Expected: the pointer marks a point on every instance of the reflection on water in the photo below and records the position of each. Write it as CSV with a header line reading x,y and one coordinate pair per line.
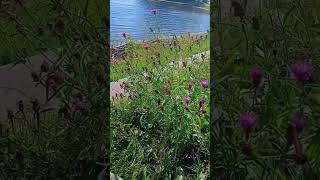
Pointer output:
x,y
135,18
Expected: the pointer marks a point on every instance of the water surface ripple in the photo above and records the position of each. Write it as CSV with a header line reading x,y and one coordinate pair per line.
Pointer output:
x,y
135,18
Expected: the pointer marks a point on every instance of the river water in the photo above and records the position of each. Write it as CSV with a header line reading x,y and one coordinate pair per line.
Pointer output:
x,y
135,18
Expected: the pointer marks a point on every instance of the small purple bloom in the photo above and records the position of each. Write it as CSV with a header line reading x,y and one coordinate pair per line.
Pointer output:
x,y
203,101
154,11
187,100
124,35
302,72
299,122
146,47
189,85
59,26
79,107
256,75
248,121
205,84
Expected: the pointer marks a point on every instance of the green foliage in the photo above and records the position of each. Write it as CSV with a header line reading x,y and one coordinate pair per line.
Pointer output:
x,y
279,36
71,140
25,31
137,57
154,136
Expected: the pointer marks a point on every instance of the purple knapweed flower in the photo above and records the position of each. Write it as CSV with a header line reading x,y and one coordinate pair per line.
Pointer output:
x,y
303,72
205,84
79,107
299,122
124,35
35,76
189,85
146,47
59,26
44,66
256,75
203,101
187,100
248,122
154,11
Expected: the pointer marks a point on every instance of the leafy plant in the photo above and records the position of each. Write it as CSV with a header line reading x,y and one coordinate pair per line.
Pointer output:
x,y
71,140
278,41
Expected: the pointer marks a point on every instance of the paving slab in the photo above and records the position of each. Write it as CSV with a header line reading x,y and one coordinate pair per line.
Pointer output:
x,y
16,84
115,88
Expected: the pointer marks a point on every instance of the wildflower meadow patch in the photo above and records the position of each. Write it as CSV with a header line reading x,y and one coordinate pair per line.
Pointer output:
x,y
160,128
265,122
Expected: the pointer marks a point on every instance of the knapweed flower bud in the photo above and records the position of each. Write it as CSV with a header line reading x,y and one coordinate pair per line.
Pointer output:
x,y
184,64
154,11
203,101
50,82
35,76
303,72
205,84
10,114
44,66
35,104
189,85
59,26
203,110
20,106
188,108
202,56
124,35
146,47
256,75
299,122
187,100
79,107
248,122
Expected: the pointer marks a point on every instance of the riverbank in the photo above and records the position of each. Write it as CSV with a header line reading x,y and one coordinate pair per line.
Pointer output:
x,y
138,56
115,44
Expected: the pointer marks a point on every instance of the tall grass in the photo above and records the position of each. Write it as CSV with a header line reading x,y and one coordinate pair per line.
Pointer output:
x,y
160,129
71,140
162,50
155,135
277,40
25,31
